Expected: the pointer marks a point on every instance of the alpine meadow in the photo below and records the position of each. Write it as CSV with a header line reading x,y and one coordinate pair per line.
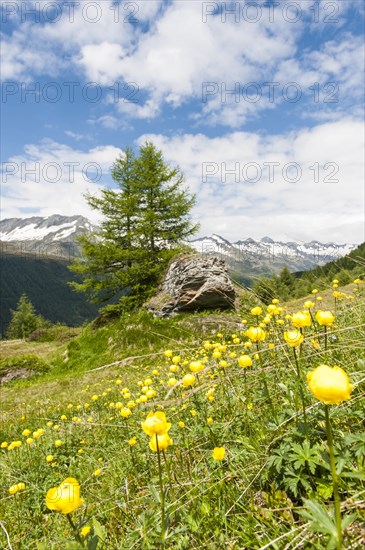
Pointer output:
x,y
182,259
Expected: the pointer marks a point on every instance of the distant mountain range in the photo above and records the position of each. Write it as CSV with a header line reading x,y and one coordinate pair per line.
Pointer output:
x,y
47,237
34,253
57,236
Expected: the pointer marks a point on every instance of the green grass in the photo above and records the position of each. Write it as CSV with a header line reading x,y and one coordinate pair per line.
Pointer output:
x,y
272,490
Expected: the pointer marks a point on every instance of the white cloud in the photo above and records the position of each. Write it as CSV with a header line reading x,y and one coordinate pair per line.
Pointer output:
x,y
305,210
172,51
51,178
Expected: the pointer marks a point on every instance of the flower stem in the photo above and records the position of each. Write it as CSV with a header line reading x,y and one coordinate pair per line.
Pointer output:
x,y
325,338
74,528
267,393
300,384
334,479
162,493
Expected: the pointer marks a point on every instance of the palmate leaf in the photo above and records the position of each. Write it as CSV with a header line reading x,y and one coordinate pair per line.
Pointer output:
x,y
321,520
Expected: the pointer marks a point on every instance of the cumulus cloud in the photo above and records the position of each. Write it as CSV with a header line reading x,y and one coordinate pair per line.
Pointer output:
x,y
242,193
52,178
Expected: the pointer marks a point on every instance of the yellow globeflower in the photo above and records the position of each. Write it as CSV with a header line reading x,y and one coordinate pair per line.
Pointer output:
x,y
125,412
245,361
293,338
218,453
49,458
330,385
188,380
256,310
256,334
66,497
163,441
13,489
85,530
309,304
301,319
155,423
325,318
168,353
132,441
196,366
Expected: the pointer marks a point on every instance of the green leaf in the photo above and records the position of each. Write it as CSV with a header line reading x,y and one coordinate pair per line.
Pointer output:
x,y
354,475
99,530
319,517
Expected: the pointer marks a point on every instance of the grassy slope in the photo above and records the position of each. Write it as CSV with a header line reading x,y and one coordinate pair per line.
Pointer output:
x,y
240,503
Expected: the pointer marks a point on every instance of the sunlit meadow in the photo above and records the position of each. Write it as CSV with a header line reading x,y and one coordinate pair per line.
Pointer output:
x,y
236,432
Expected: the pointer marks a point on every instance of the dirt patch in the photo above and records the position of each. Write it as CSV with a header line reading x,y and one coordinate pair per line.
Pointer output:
x,y
14,374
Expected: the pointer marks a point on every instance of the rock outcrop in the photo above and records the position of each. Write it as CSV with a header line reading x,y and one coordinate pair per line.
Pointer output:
x,y
193,283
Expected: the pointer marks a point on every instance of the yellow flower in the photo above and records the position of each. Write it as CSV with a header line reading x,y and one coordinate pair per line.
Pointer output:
x,y
85,530
256,311
293,338
26,433
330,385
66,497
256,334
4,444
163,442
209,421
218,453
125,412
97,472
155,423
315,344
188,380
314,291
309,304
49,458
171,382
176,359
271,308
325,318
132,441
275,301
196,366
58,443
29,440
168,353
181,424
13,489
301,319
245,361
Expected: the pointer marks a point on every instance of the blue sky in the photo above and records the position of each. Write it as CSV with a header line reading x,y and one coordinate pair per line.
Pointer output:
x,y
282,156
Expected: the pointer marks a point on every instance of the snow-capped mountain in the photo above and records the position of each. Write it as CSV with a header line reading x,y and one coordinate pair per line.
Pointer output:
x,y
267,247
264,256
57,236
46,236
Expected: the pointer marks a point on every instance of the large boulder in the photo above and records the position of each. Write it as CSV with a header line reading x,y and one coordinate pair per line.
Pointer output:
x,y
193,283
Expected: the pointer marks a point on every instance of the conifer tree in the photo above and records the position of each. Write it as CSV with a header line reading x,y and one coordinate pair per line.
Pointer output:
x,y
144,223
24,319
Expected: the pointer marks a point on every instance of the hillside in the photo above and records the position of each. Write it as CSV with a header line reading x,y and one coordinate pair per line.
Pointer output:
x,y
244,460
44,280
